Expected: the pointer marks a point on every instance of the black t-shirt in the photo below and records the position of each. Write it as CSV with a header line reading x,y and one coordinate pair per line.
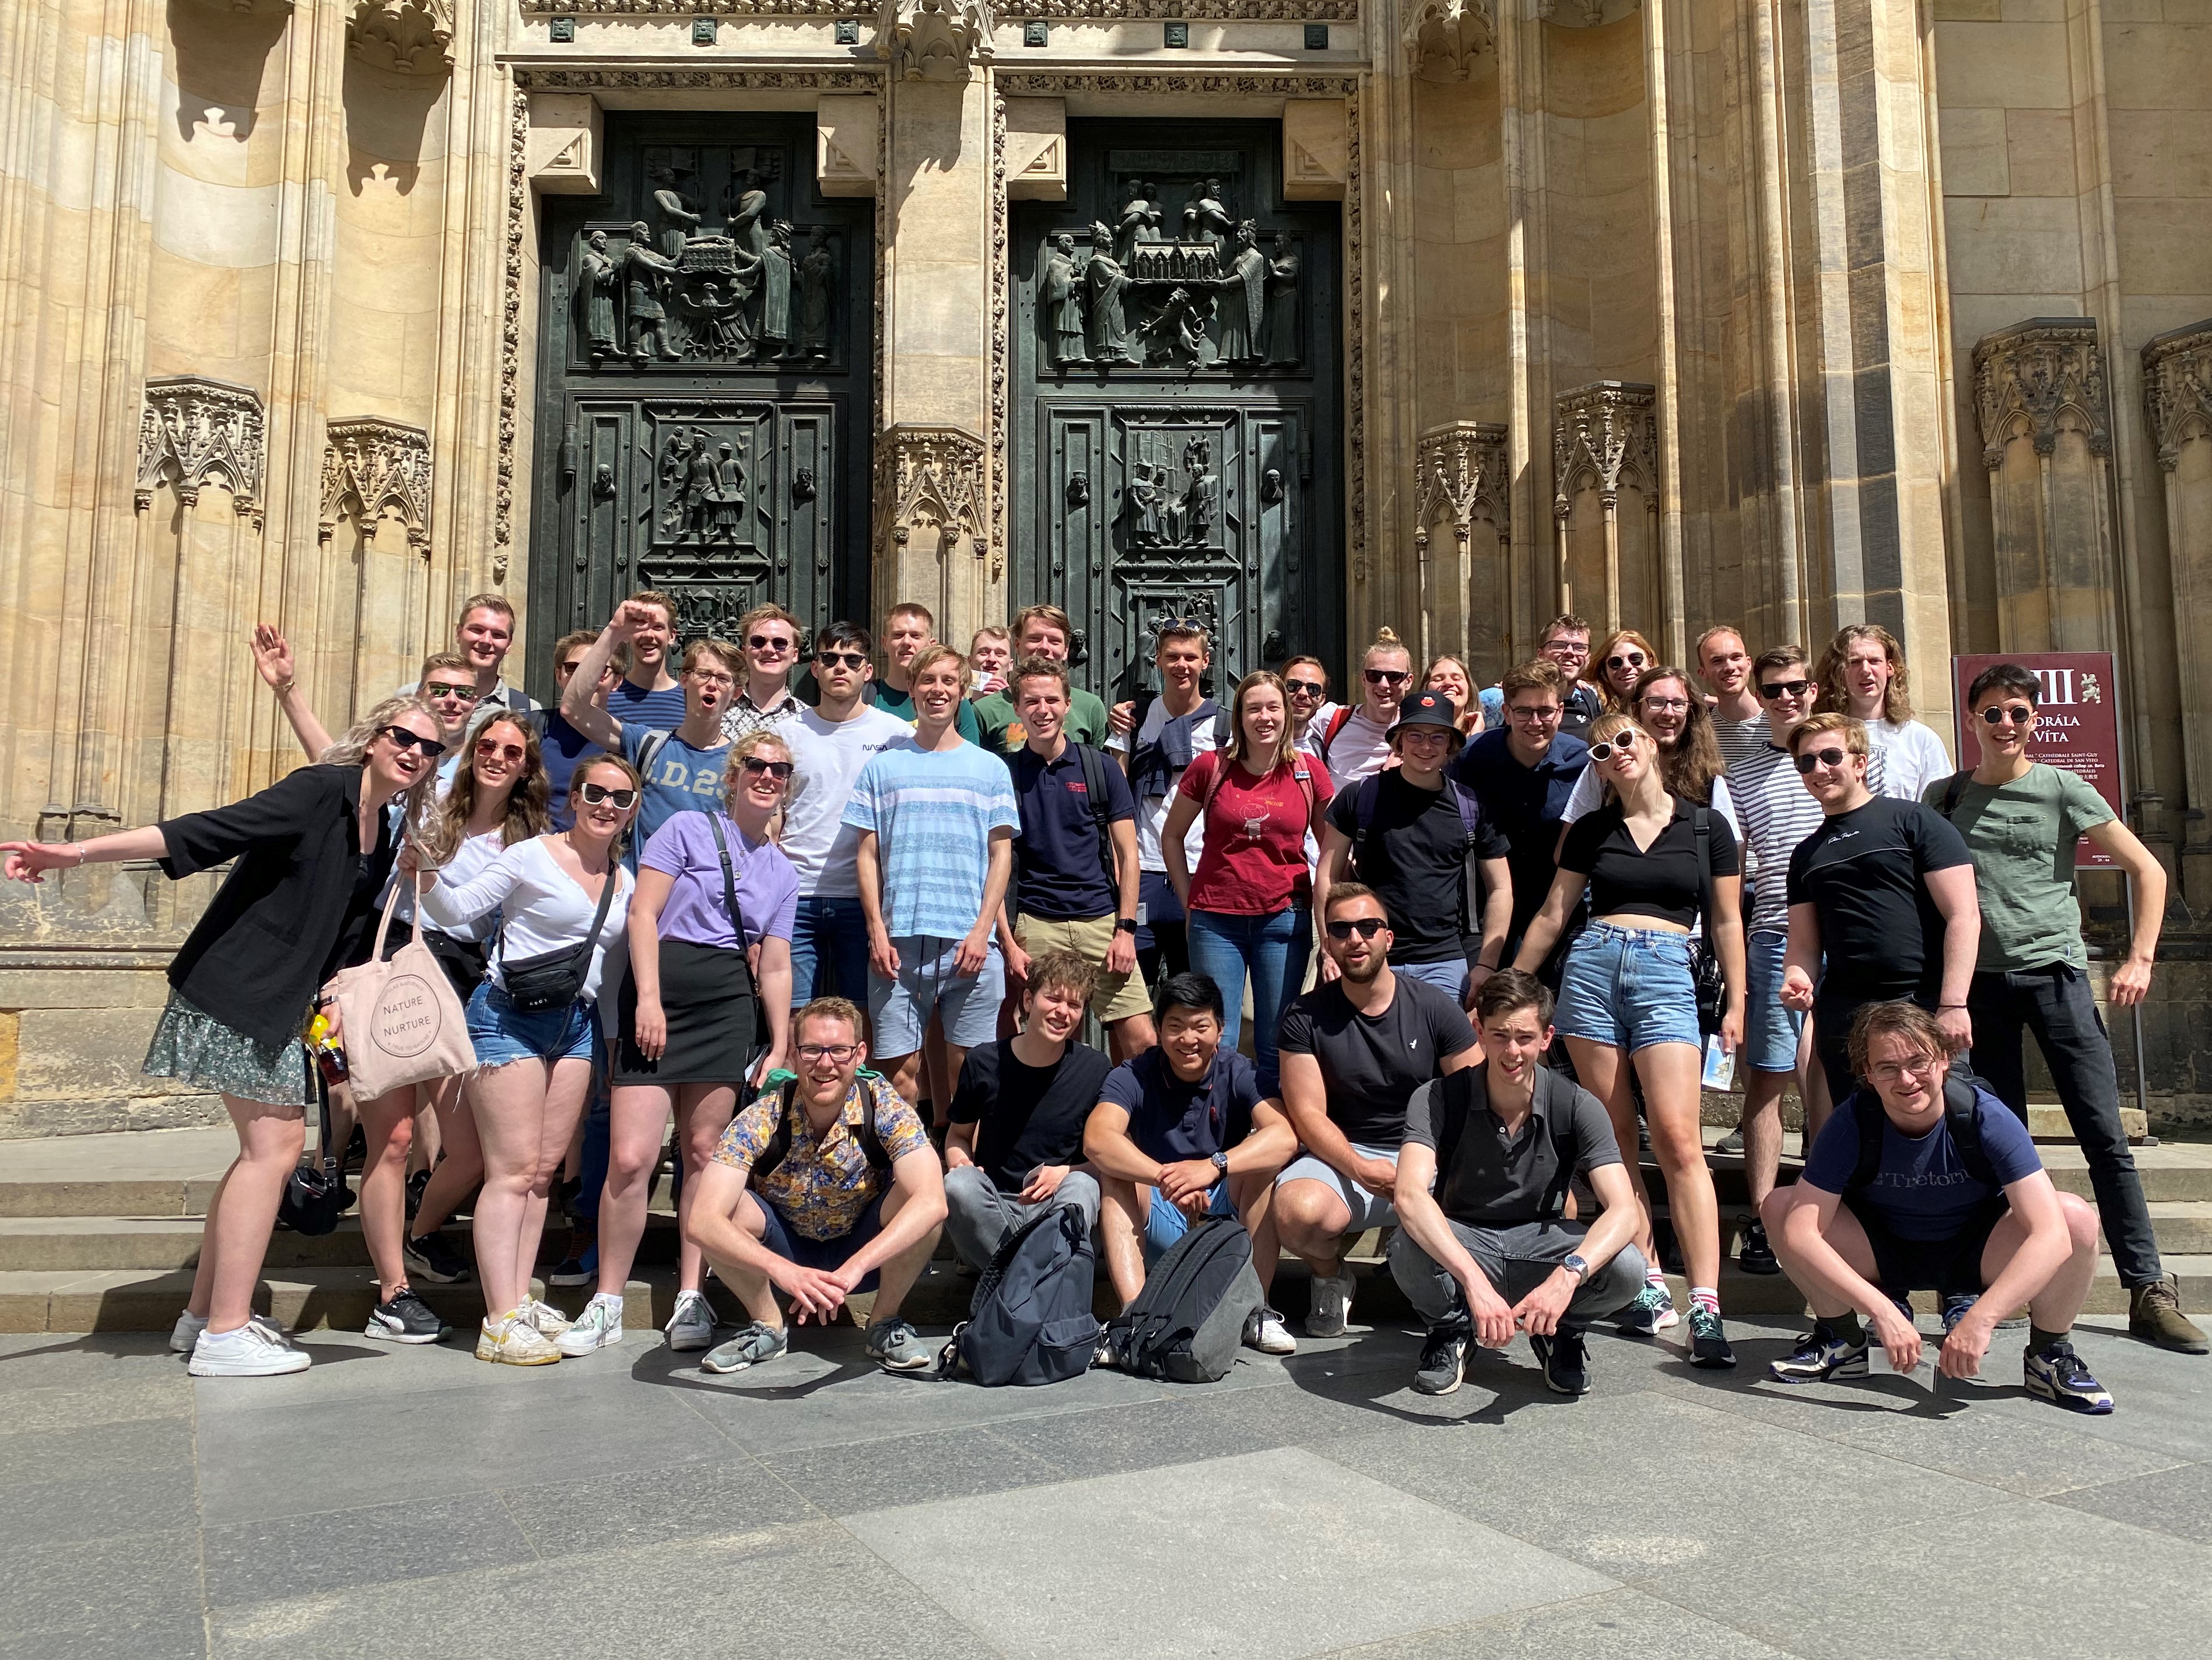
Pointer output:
x,y
1171,1120
1372,1064
1415,858
1660,881
1494,1180
1028,1115
1864,871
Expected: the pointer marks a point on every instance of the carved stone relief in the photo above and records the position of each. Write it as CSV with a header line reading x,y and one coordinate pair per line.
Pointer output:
x,y
412,36
2177,389
1288,11
566,131
1443,38
1602,434
196,431
936,478
845,144
1459,470
2027,377
934,40
370,465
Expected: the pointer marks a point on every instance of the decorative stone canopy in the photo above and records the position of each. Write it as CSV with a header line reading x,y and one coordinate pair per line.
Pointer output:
x,y
2177,389
1443,38
936,477
1602,434
934,40
196,431
413,37
1257,11
2027,376
1459,468
374,464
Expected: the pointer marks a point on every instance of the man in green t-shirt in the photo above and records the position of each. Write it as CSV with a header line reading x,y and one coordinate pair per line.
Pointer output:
x,y
2022,820
1040,631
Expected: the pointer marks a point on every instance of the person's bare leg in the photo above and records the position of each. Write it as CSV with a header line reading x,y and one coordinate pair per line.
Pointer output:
x,y
1762,1133
1812,1090
1824,1297
1131,1036
565,1091
387,1125
637,1120
752,1287
1123,1208
460,1170
1311,1217
428,1143
896,1277
509,1102
239,1222
904,1072
203,1275
1669,1072
2058,1304
1598,1066
703,1113
1253,1196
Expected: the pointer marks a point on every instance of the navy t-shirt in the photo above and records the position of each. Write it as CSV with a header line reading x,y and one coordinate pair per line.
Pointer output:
x,y
1063,876
564,750
1171,1121
1920,1190
1528,804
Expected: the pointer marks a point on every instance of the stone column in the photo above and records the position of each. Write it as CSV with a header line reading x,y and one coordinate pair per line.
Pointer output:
x,y
1462,536
2177,370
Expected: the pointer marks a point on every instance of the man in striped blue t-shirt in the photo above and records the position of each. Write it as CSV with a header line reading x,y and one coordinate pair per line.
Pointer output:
x,y
937,817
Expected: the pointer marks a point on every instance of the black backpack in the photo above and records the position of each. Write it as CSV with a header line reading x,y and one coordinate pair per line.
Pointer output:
x,y
1962,1117
1030,1322
1189,1321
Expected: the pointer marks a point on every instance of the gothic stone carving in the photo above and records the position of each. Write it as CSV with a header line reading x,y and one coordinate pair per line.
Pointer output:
x,y
2027,376
933,39
198,431
415,37
936,477
1285,11
1583,14
1443,38
374,464
1460,469
1601,433
2177,389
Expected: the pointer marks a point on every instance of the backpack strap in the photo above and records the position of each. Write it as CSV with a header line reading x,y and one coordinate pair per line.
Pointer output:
x,y
1329,736
778,1144
1954,790
1701,822
1962,1117
1220,728
1866,1110
1363,808
1094,785
650,751
1566,1153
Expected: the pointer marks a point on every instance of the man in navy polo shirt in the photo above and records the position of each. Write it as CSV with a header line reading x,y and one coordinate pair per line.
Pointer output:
x,y
1072,890
1521,776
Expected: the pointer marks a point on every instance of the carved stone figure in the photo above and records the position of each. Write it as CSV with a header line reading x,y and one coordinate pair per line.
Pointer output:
x,y
818,282
702,489
1283,303
603,481
717,324
1105,332
674,211
729,495
602,287
775,290
1243,307
1140,222
1140,505
1201,497
802,487
1205,219
645,271
744,203
1176,333
1060,302
1271,486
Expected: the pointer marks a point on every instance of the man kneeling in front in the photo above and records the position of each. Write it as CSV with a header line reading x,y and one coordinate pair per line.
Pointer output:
x,y
1491,1251
1913,1187
821,1187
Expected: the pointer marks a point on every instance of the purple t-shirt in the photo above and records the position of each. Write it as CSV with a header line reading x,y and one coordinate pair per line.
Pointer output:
x,y
696,912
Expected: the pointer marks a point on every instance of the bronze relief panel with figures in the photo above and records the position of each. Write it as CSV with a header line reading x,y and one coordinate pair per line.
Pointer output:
x,y
705,408
1178,402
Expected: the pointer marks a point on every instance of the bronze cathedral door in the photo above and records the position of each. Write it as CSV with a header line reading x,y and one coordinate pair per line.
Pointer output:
x,y
1176,375
705,398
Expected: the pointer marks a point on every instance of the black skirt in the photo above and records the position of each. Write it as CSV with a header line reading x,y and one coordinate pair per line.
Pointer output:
x,y
463,960
707,996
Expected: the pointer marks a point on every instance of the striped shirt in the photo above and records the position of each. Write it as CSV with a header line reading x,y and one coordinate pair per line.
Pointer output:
x,y
933,812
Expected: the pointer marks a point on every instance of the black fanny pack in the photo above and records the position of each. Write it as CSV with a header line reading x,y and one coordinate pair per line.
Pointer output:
x,y
555,979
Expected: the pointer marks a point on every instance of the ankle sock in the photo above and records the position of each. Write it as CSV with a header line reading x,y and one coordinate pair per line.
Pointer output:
x,y
1845,1327
2040,1340
1654,1277
1705,1298
614,1302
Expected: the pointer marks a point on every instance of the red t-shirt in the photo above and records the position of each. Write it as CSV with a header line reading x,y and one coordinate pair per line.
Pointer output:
x,y
1255,862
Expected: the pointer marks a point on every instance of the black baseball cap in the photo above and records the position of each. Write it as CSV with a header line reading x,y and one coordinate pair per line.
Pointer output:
x,y
1428,708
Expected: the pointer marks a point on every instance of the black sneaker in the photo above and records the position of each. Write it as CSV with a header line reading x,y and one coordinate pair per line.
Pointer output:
x,y
404,1318
415,1183
1819,1356
1753,1251
2055,1373
581,1267
1566,1361
1708,1344
1443,1358
432,1259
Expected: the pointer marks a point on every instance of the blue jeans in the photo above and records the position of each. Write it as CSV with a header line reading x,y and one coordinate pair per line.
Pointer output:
x,y
828,940
1272,950
1449,977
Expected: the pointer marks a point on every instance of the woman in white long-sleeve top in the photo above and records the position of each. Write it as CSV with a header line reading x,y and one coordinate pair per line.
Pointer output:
x,y
534,1022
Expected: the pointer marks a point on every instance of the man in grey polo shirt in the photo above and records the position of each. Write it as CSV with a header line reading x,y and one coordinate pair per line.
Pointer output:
x,y
1491,1250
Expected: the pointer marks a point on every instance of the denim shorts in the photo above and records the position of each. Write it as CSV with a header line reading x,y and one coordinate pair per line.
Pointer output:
x,y
1449,977
1770,1030
501,1032
1168,1221
1630,988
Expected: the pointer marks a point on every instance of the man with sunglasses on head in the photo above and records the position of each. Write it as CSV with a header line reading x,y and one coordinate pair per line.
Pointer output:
x,y
768,636
2022,820
830,743
1353,739
1883,891
1353,1050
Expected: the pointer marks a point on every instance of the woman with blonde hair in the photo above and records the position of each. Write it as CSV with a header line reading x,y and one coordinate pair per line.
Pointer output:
x,y
1353,739
1449,675
1250,901
560,898
1621,662
311,852
1629,989
712,887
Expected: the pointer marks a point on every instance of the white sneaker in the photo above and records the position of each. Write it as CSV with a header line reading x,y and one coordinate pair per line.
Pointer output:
x,y
187,1332
542,1318
251,1350
1265,1332
1330,1316
692,1325
512,1341
598,1327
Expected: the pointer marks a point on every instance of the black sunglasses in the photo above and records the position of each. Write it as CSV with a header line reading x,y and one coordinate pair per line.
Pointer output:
x,y
1814,759
1771,690
1632,660
401,739
1388,677
842,659
769,642
778,770
1365,927
1305,688
2019,713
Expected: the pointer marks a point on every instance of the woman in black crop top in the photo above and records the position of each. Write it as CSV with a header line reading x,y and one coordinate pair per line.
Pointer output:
x,y
1627,989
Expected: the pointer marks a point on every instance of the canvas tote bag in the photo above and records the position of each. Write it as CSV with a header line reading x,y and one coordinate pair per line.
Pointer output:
x,y
402,1022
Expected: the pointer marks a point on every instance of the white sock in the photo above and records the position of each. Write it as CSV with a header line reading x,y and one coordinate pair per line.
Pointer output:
x,y
614,1302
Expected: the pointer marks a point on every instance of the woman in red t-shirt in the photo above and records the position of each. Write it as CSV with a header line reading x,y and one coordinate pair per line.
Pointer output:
x,y
1250,904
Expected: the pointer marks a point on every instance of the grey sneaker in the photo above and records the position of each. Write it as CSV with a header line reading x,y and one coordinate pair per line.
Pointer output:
x,y
895,1345
1731,1143
692,1325
755,1346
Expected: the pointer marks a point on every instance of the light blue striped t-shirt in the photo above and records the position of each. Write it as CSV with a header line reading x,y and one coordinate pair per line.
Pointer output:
x,y
933,812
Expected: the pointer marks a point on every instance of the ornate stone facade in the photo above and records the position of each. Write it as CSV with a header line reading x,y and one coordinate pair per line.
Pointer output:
x,y
933,39
196,432
412,36
1444,38
373,467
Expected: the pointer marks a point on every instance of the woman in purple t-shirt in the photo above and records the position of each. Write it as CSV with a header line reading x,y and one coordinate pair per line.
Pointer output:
x,y
710,956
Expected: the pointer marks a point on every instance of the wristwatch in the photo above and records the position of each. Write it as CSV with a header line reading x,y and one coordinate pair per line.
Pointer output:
x,y
1574,1264
1125,924
1221,1163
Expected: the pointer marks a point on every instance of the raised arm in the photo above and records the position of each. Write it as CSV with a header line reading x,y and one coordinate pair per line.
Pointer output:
x,y
272,660
577,708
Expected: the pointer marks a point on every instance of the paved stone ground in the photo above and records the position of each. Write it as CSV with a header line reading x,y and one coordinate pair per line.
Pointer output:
x,y
410,1502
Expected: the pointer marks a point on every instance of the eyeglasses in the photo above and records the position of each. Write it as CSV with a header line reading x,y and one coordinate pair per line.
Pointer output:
x,y
441,689
404,739
1624,745
2019,713
838,1054
1771,690
778,770
1814,759
1627,659
1365,927
1668,705
595,794
490,749
770,643
1893,1071
1388,677
1305,688
709,677
1541,715
854,660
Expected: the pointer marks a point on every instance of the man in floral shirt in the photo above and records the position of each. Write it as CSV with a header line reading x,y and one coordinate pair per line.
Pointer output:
x,y
821,1187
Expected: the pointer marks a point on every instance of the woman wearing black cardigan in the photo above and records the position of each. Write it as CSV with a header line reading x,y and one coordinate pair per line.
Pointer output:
x,y
312,852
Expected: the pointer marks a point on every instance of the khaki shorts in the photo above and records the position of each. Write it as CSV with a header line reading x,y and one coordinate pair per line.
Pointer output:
x,y
1119,996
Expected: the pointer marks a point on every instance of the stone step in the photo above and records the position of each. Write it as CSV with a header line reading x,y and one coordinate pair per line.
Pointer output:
x,y
2047,1122
96,1242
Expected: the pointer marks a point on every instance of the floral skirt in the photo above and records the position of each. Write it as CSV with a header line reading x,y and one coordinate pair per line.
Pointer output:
x,y
193,1047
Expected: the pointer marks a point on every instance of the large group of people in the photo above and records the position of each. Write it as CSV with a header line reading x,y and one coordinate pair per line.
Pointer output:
x,y
1436,959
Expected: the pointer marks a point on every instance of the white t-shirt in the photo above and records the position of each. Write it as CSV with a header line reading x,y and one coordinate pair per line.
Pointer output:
x,y
541,908
470,860
828,755
1360,748
1913,757
1153,810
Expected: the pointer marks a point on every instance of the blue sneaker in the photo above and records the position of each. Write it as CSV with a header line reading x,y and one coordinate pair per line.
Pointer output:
x,y
1819,1355
1652,1313
2055,1373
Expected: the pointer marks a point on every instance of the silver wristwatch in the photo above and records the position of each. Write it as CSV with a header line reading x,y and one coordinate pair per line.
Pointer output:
x,y
1574,1264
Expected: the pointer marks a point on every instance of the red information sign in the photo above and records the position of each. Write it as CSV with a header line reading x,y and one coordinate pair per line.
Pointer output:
x,y
2078,724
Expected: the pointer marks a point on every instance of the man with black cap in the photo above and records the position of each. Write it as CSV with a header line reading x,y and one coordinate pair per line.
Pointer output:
x,y
1418,840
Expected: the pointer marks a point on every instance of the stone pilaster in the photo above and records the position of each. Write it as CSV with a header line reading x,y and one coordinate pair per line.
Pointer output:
x,y
2177,369
1605,443
1463,527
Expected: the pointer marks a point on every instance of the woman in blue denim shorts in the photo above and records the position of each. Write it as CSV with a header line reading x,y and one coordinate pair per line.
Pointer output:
x,y
1627,989
535,1065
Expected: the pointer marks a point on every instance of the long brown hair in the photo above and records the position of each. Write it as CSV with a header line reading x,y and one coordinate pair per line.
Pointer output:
x,y
1897,700
1603,681
1695,761
1286,747
526,813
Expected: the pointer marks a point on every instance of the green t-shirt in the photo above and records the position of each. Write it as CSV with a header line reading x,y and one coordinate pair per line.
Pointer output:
x,y
1002,726
891,701
2022,836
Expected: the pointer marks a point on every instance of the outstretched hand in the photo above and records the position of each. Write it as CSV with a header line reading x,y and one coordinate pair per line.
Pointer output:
x,y
272,656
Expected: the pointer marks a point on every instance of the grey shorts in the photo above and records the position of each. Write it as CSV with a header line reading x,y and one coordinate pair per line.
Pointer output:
x,y
928,980
1369,1210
